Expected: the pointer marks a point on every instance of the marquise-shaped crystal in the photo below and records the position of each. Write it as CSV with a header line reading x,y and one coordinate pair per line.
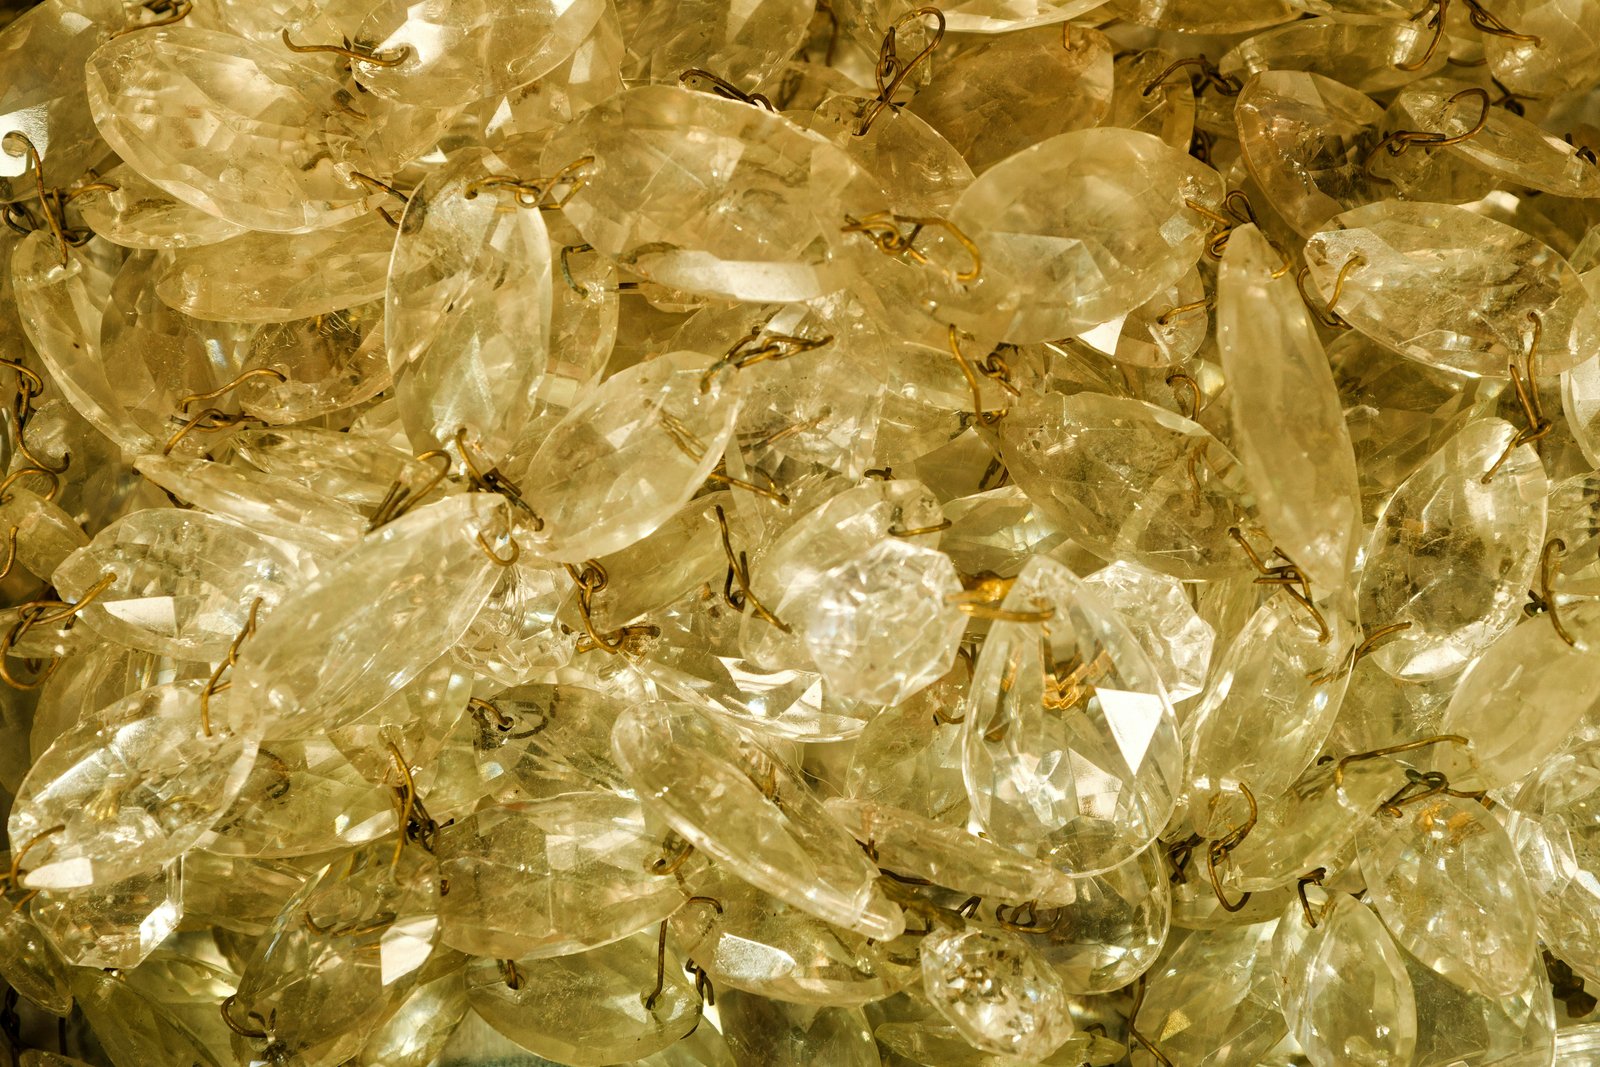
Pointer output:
x,y
183,583
371,621
1077,230
1454,289
1129,480
186,107
629,455
130,788
743,807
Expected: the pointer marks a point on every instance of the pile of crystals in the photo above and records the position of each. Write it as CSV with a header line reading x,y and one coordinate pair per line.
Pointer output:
x,y
748,534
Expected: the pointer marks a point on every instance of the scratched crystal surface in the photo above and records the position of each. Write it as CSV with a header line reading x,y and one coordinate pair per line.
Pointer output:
x,y
799,533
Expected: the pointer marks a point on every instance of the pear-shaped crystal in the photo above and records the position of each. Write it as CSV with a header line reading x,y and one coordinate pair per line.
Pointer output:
x,y
1071,746
1445,878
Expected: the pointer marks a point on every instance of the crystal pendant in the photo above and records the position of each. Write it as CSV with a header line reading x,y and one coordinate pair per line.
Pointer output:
x,y
1071,746
158,95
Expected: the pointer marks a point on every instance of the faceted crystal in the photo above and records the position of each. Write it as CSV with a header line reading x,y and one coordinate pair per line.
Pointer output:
x,y
133,1027
1168,110
451,51
1520,701
1311,824
740,805
42,105
548,740
1398,412
751,941
1071,746
1558,49
128,789
341,957
996,991
790,577
329,362
115,925
1452,556
238,128
419,1029
272,505
303,798
1456,1025
1356,1005
183,583
1288,427
1213,1001
1129,480
1369,53
1111,929
1305,139
135,213
744,43
1508,147
30,965
1078,229
914,845
771,1033
370,623
628,456
1271,703
1017,89
1445,878
1453,289
885,625
702,193
551,877
589,1009
1204,16
46,535
467,316
1156,610
273,277
60,307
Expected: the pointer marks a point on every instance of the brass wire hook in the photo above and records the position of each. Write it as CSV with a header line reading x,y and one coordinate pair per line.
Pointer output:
x,y
739,571
1390,750
1362,651
222,390
1133,1028
51,215
376,59
214,684
704,81
536,192
1527,392
399,499
758,346
1206,74
1545,599
1326,314
1400,141
890,74
172,11
989,418
882,228
23,472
